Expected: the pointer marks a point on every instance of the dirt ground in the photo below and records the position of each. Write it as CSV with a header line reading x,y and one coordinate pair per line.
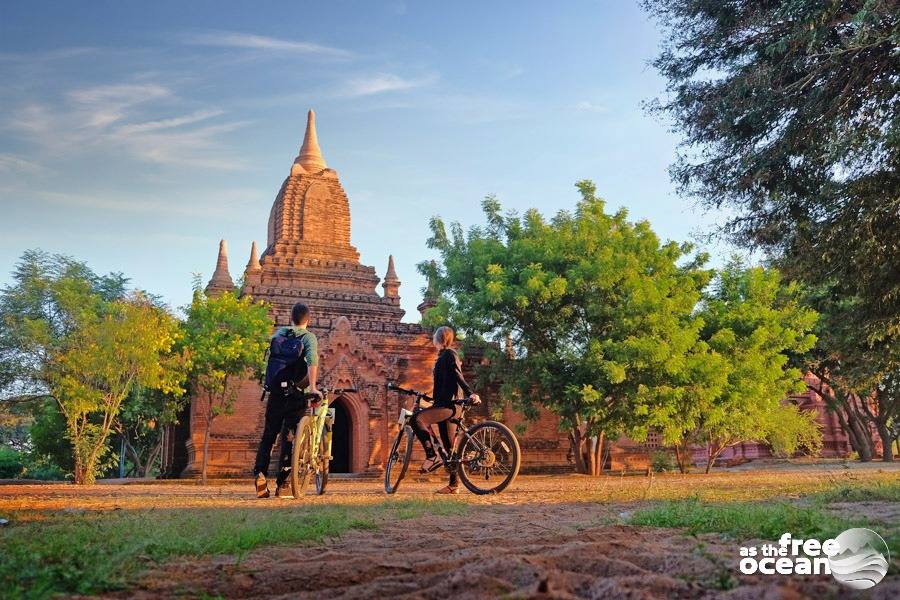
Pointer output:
x,y
546,537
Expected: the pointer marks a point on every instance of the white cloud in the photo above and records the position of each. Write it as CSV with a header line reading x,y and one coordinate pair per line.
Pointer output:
x,y
249,41
588,106
229,204
161,124
381,83
11,162
121,119
46,55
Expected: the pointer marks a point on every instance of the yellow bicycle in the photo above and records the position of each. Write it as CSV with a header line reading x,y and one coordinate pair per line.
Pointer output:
x,y
311,453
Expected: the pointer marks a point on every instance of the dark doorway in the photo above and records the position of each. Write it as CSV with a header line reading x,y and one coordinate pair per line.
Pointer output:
x,y
341,438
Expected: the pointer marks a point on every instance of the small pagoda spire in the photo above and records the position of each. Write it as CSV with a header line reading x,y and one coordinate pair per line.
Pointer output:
x,y
253,264
221,279
310,158
252,272
430,299
391,283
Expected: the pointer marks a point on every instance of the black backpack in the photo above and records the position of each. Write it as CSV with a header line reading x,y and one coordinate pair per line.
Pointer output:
x,y
285,367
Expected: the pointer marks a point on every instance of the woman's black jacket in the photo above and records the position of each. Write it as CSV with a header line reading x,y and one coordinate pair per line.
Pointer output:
x,y
448,377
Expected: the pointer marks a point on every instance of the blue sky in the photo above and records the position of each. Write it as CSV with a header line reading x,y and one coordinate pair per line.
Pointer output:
x,y
135,135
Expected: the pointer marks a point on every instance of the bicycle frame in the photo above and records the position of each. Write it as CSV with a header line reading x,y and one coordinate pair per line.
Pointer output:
x,y
449,459
322,421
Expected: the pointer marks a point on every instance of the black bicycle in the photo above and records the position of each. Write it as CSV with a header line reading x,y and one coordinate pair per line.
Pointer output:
x,y
486,455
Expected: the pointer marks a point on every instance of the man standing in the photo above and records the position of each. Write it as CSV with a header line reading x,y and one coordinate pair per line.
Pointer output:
x,y
286,405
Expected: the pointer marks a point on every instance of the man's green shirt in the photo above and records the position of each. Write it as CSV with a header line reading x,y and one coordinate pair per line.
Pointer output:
x,y
310,343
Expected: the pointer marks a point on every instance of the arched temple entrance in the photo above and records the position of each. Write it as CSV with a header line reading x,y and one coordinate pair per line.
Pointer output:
x,y
342,438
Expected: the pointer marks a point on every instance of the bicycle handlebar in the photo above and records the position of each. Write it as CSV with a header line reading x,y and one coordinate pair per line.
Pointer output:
x,y
326,391
396,388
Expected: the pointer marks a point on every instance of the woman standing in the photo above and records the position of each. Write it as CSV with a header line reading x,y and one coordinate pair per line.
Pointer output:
x,y
448,379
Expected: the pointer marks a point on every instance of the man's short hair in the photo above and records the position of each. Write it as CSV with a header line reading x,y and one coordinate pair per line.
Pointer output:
x,y
299,313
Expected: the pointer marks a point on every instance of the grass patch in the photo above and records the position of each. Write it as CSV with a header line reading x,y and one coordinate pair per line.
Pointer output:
x,y
743,520
869,491
99,551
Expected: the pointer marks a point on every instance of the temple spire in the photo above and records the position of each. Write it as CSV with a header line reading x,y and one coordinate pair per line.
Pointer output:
x,y
310,158
221,279
391,283
253,263
430,299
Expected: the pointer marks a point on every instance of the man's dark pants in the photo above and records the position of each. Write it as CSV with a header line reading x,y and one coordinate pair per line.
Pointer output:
x,y
283,412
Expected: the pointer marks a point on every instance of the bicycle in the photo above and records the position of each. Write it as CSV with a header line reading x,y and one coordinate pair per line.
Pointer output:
x,y
485,450
311,453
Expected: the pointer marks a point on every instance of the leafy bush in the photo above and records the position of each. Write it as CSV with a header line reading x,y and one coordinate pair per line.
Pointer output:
x,y
661,462
11,463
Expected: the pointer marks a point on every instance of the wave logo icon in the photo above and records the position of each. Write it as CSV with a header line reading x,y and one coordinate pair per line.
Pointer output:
x,y
862,560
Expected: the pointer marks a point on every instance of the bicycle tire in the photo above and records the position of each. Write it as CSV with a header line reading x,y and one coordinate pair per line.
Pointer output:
x,y
300,457
398,460
511,453
323,465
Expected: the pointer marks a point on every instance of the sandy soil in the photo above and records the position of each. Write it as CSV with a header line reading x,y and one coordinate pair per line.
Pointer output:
x,y
564,550
545,537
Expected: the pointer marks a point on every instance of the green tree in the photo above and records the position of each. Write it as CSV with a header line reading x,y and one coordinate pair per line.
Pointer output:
x,y
114,348
141,424
789,112
752,325
855,377
226,338
790,120
82,341
598,311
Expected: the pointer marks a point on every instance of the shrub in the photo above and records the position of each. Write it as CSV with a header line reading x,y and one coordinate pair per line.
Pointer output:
x,y
11,463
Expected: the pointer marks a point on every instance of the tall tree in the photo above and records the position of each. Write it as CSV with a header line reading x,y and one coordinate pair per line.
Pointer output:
x,y
80,340
789,111
226,338
598,310
752,325
114,348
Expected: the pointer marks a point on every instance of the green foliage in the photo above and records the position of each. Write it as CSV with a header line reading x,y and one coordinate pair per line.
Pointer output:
x,y
788,110
11,463
791,430
226,338
598,309
95,552
144,416
752,324
661,462
48,437
789,115
79,339
616,332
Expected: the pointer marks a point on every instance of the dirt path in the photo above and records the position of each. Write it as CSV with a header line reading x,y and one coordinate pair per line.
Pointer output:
x,y
564,550
547,537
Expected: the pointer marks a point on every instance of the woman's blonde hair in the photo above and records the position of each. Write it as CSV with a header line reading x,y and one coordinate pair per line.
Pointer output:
x,y
444,336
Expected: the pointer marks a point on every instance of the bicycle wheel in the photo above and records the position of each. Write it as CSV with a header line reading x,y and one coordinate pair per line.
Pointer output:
x,y
322,465
300,457
398,460
490,458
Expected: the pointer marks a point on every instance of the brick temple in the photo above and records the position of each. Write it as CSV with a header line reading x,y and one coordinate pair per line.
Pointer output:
x,y
363,343
363,340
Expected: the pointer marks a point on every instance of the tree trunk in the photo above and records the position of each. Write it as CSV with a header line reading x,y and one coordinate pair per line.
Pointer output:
x,y
682,452
154,454
863,435
209,421
597,454
887,443
712,453
576,441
